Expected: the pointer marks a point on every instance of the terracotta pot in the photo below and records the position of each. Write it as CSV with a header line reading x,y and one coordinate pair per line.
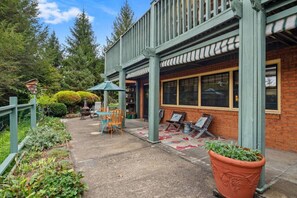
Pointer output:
x,y
235,178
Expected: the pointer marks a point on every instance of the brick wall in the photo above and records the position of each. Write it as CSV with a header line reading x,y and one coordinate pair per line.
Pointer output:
x,y
281,129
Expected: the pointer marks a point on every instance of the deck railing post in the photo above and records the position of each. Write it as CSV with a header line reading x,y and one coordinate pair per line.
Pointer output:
x,y
252,60
13,101
154,80
33,112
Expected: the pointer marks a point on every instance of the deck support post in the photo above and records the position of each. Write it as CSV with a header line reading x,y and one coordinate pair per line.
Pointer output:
x,y
122,94
154,80
252,58
13,101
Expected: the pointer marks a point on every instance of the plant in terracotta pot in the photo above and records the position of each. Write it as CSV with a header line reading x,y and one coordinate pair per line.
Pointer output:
x,y
236,170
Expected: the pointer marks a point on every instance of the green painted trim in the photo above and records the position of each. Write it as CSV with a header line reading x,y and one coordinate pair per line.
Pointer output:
x,y
211,23
279,5
7,162
283,14
203,44
13,125
133,61
5,112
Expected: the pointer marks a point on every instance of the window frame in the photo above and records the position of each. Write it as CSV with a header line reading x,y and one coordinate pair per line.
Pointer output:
x,y
231,83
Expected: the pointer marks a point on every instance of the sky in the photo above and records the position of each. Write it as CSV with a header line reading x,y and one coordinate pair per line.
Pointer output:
x,y
59,15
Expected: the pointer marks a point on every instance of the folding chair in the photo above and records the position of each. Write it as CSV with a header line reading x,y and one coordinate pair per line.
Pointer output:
x,y
95,108
176,120
202,126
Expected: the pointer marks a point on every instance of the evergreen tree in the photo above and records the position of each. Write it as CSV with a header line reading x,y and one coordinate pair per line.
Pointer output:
x,y
82,67
54,50
122,23
32,61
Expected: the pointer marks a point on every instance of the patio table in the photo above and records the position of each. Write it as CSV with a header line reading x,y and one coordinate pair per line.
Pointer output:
x,y
103,122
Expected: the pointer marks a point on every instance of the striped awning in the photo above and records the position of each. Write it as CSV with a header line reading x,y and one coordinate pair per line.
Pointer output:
x,y
139,72
214,49
281,25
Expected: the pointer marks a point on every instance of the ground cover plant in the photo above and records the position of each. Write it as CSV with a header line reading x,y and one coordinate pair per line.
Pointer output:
x,y
45,169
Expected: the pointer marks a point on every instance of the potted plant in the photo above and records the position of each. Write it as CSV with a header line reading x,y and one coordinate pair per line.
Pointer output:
x,y
236,170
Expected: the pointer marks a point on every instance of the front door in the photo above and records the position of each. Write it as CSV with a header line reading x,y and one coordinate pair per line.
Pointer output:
x,y
145,101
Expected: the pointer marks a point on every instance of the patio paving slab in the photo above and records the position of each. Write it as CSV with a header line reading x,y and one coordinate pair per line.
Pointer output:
x,y
128,166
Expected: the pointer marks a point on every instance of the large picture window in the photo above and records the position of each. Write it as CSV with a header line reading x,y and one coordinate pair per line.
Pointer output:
x,y
215,90
170,92
188,91
270,84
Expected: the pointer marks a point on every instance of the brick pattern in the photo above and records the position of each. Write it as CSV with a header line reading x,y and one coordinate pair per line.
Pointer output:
x,y
281,130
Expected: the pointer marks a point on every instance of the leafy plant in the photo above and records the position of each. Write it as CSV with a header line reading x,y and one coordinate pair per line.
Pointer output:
x,y
233,151
57,109
49,134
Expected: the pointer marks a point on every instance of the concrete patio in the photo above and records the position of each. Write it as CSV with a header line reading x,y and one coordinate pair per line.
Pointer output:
x,y
129,166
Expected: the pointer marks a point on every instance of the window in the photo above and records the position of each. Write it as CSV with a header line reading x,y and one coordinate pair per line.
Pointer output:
x,y
271,87
169,92
215,90
188,91
235,89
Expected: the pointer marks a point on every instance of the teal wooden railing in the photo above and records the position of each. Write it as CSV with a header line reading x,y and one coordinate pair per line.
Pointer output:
x,y
172,18
12,110
176,17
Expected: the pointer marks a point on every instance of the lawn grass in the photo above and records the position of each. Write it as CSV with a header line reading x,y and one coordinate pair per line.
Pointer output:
x,y
23,129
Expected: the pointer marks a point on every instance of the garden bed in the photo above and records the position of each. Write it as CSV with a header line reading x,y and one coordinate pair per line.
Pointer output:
x,y
45,169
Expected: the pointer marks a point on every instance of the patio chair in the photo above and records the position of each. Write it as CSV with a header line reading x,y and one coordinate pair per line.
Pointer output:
x,y
176,120
116,121
202,126
95,108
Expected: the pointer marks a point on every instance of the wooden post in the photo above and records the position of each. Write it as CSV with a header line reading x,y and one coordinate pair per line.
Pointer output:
x,y
252,79
33,112
13,101
154,82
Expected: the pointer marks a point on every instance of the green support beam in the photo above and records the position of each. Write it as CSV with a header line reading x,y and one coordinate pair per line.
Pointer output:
x,y
252,79
122,94
13,101
154,81
33,112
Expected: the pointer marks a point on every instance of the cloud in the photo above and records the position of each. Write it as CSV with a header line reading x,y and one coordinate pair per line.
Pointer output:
x,y
50,13
107,10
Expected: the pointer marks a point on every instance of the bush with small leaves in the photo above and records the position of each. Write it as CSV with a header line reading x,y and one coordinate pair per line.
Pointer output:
x,y
90,97
57,109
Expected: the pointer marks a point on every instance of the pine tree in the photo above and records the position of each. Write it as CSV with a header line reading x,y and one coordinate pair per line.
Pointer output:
x,y
32,61
82,59
122,23
54,50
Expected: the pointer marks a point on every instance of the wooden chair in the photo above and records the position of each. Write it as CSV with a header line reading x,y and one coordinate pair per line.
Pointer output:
x,y
202,125
176,120
116,121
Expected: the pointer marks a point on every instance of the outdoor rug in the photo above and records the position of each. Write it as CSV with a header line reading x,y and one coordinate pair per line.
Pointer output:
x,y
175,139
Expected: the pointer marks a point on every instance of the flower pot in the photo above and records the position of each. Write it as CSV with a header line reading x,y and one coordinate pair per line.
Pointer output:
x,y
235,178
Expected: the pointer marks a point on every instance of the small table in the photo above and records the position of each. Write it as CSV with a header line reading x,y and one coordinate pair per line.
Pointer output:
x,y
103,122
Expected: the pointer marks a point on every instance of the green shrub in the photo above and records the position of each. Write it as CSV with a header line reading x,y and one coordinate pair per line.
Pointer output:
x,y
57,109
45,100
69,98
232,151
90,97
